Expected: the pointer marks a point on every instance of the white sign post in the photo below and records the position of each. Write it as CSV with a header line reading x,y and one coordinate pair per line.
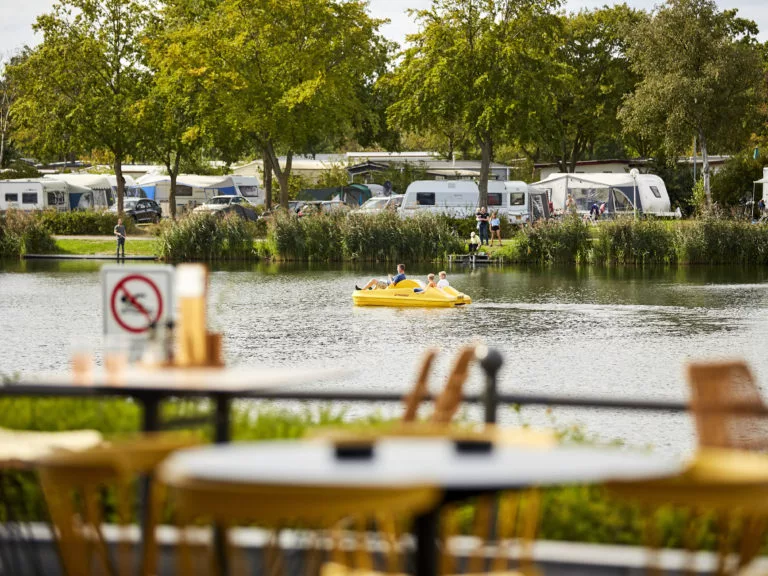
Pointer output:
x,y
136,298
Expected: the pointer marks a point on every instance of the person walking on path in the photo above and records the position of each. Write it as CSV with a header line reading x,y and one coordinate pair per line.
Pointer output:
x,y
120,235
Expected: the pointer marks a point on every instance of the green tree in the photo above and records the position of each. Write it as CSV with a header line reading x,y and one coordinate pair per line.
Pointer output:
x,y
80,83
6,99
700,77
287,77
593,77
172,111
475,68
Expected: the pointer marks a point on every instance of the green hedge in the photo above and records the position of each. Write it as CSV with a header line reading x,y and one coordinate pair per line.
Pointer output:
x,y
83,222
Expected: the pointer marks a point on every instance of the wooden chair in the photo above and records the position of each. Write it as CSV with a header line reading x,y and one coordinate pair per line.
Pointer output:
x,y
511,516
728,476
79,485
19,449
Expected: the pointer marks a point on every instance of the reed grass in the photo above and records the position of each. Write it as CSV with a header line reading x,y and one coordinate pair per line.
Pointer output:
x,y
206,237
363,237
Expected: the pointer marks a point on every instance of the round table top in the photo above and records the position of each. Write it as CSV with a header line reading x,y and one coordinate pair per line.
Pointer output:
x,y
403,462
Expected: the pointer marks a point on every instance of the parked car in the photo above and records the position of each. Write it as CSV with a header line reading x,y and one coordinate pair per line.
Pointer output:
x,y
381,203
229,204
140,209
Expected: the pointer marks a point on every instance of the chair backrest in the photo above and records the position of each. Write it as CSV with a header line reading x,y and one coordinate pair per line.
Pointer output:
x,y
449,400
727,406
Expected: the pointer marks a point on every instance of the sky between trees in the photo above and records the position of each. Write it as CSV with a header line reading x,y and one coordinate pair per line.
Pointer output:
x,y
17,17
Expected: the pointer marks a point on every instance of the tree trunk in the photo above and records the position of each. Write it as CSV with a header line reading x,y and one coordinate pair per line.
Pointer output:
x,y
486,155
267,180
2,146
120,183
705,166
283,174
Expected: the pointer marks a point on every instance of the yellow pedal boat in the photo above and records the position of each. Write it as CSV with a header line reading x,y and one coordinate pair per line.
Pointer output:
x,y
409,293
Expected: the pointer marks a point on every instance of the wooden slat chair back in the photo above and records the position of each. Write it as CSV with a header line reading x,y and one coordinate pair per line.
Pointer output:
x,y
727,407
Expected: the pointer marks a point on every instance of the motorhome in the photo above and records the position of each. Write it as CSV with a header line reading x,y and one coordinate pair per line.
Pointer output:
x,y
621,193
34,194
193,190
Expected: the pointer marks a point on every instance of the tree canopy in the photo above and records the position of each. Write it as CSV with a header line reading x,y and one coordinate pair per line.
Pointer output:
x,y
473,69
286,76
77,88
700,77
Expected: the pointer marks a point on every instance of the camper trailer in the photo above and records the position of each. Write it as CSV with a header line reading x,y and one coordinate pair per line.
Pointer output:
x,y
193,190
34,194
453,197
460,198
621,193
519,202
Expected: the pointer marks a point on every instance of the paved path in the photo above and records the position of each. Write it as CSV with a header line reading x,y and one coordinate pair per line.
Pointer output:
x,y
102,238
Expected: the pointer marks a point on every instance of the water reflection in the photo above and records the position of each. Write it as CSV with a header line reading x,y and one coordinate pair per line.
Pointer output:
x,y
619,332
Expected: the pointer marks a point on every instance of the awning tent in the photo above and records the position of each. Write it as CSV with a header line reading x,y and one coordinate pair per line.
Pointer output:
x,y
352,195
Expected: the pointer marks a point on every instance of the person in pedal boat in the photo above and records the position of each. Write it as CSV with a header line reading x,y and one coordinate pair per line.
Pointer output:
x,y
431,281
443,282
375,283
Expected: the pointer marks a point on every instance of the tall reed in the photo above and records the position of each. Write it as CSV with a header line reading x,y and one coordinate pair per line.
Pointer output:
x,y
557,242
366,237
206,237
624,241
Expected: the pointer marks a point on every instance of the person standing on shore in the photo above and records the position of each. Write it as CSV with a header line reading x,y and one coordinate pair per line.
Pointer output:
x,y
120,235
482,224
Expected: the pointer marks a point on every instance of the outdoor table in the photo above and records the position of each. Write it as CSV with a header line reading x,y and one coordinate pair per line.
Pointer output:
x,y
456,471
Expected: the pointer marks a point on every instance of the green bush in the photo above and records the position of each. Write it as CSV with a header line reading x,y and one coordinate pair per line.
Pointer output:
x,y
83,222
367,237
206,236
23,233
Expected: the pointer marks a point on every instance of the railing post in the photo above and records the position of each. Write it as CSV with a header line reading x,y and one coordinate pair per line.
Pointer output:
x,y
490,360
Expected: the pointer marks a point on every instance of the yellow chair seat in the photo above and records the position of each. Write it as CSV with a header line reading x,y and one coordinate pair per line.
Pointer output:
x,y
336,569
717,479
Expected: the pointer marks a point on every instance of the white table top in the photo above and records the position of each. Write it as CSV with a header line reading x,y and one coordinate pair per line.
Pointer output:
x,y
177,380
413,462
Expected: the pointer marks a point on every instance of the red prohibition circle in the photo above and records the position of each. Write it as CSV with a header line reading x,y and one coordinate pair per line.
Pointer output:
x,y
113,304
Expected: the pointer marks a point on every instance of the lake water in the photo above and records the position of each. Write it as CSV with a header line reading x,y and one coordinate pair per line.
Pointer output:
x,y
619,333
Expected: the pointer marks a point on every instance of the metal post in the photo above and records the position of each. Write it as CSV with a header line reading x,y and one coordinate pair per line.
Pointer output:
x,y
425,529
490,360
221,434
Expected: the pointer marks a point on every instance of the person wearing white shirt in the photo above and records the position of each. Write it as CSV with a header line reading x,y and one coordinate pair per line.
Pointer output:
x,y
443,282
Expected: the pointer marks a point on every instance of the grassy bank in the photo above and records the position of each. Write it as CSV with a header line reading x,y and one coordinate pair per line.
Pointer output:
x,y
582,514
133,247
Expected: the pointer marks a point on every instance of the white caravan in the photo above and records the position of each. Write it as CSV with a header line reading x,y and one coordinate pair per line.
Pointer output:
x,y
460,198
621,193
34,194
453,197
193,190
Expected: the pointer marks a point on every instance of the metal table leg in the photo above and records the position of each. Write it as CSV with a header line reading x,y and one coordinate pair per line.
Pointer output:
x,y
150,423
221,435
425,529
